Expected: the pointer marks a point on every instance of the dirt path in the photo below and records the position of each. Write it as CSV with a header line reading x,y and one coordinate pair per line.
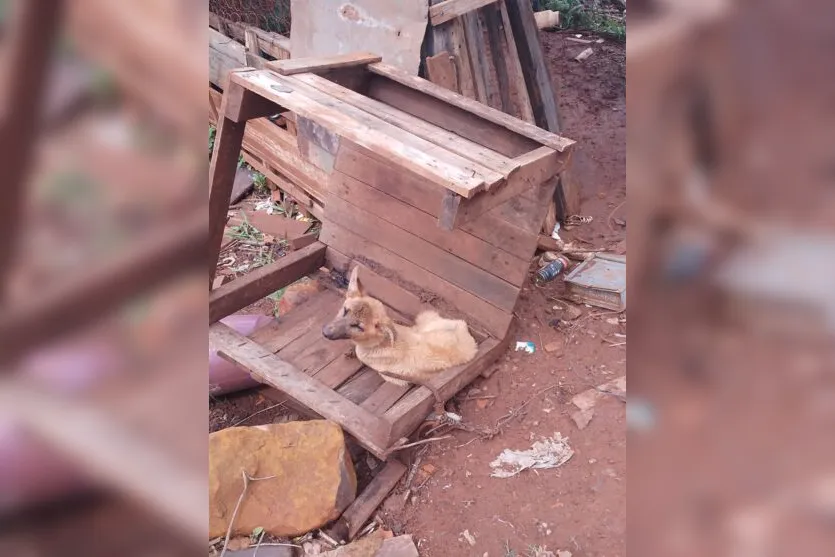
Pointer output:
x,y
580,507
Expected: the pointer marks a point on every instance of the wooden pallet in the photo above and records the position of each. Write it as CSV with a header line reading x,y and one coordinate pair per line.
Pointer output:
x,y
438,199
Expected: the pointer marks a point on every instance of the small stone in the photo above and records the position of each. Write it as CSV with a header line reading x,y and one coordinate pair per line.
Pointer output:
x,y
428,469
552,346
313,477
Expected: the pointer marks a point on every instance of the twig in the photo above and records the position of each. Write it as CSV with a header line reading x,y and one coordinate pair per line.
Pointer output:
x,y
416,443
611,214
515,412
482,397
242,420
247,479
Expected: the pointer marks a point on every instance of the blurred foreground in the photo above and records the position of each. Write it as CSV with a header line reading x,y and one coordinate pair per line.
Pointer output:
x,y
731,187
103,305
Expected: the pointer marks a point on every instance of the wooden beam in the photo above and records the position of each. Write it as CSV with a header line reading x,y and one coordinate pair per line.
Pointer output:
x,y
265,280
228,140
31,34
79,300
357,514
498,117
369,429
244,104
323,63
450,9
225,55
274,44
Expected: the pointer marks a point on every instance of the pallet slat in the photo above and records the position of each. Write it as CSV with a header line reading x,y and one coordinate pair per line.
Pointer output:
x,y
371,430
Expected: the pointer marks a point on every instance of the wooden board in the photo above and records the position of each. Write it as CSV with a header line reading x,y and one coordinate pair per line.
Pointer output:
x,y
498,117
440,69
369,429
370,133
265,280
457,242
393,29
274,44
225,55
277,335
450,9
323,63
494,320
416,249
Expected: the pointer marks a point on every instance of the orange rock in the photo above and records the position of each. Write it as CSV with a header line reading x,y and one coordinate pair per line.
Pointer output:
x,y
311,477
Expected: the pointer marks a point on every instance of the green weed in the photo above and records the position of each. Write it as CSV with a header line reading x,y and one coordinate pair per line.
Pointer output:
x,y
587,15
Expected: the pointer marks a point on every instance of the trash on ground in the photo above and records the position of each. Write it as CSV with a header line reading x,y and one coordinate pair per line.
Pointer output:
x,y
640,415
586,400
550,271
467,537
303,464
547,19
600,281
555,234
525,346
549,453
585,54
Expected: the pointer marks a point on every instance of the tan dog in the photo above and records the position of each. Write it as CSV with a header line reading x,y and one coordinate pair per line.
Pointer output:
x,y
401,355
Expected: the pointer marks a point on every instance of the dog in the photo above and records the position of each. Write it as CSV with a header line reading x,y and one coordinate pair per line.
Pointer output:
x,y
400,354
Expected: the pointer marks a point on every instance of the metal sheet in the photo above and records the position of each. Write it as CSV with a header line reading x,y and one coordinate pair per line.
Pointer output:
x,y
394,30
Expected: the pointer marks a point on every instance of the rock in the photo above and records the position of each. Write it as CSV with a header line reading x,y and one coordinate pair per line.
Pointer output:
x,y
314,477
553,346
377,544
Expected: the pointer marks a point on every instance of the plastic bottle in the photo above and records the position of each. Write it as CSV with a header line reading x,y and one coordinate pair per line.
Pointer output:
x,y
550,271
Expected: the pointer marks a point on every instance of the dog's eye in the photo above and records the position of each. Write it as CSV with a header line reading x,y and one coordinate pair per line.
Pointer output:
x,y
344,312
357,326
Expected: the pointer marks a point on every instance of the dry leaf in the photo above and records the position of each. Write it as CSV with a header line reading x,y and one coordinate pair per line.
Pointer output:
x,y
428,469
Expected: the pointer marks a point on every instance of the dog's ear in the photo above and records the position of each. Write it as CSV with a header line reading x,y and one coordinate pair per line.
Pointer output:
x,y
355,289
388,331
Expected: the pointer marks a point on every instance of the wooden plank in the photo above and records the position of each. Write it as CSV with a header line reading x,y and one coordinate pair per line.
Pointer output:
x,y
419,251
543,164
319,354
30,34
494,320
338,371
450,9
461,56
323,63
364,506
490,114
80,299
243,104
331,94
253,49
456,242
478,154
225,55
302,241
440,69
415,192
228,140
384,397
274,44
515,75
288,328
391,294
410,411
478,57
370,430
449,117
265,280
534,66
370,133
361,386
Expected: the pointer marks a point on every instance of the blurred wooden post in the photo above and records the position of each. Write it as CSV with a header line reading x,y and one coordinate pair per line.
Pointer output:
x,y
32,35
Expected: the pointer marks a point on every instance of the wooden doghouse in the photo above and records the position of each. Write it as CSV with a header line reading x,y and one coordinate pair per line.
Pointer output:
x,y
438,197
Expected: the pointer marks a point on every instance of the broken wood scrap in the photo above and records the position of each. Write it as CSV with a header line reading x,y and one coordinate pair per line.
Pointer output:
x,y
547,19
451,9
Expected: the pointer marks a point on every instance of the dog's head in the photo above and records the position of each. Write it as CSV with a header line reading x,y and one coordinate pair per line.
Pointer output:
x,y
361,318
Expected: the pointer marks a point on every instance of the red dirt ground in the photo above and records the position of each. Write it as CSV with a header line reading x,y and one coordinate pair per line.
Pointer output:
x,y
580,507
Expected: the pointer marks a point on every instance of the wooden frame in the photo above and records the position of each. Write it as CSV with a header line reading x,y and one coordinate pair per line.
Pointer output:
x,y
399,155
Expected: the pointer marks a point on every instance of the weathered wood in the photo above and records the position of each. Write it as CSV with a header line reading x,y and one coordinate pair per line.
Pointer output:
x,y
461,57
371,133
361,386
492,319
534,66
419,251
449,211
476,48
440,69
541,136
253,49
490,227
478,154
384,397
323,63
225,55
457,242
274,44
228,140
243,104
411,410
450,9
542,164
515,74
30,36
370,430
288,328
358,513
303,241
93,293
265,280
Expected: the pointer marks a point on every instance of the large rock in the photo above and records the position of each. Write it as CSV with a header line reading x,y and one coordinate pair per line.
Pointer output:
x,y
314,477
